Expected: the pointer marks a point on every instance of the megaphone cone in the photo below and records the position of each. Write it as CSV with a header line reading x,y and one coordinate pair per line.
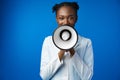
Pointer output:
x,y
65,37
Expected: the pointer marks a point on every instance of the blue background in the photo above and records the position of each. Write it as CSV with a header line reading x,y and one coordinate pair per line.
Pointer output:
x,y
25,23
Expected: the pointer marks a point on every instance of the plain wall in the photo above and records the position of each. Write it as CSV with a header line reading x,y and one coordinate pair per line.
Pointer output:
x,y
25,23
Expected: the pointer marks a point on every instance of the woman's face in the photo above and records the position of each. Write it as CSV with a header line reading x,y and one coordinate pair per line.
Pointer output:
x,y
66,15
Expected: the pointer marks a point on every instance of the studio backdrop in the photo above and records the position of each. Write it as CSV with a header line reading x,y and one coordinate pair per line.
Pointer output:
x,y
25,23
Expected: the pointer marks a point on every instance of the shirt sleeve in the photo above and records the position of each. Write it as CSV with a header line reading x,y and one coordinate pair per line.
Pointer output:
x,y
48,66
84,67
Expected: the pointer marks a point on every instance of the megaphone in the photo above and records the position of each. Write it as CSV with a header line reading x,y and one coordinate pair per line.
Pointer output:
x,y
65,37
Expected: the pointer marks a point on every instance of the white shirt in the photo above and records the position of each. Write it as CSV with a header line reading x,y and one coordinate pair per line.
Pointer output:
x,y
77,67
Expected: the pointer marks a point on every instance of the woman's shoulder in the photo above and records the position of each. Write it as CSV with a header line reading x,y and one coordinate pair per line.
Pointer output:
x,y
48,38
83,39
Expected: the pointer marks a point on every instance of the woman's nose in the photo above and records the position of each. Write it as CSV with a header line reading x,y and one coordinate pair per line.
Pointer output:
x,y
66,22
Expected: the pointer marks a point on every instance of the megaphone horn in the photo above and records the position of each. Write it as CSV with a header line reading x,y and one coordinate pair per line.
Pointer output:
x,y
65,37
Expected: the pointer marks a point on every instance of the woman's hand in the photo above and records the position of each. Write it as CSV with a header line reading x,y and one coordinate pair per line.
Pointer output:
x,y
61,54
72,52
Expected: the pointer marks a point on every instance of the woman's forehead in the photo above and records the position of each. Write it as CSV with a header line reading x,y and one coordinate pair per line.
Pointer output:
x,y
66,10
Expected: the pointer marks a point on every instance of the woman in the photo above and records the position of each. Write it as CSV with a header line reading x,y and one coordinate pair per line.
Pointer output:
x,y
73,64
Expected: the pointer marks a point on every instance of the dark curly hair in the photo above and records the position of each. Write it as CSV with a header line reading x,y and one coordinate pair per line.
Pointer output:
x,y
74,5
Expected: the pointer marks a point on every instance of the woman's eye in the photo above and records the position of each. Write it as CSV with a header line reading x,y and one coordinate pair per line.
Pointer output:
x,y
71,18
61,18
